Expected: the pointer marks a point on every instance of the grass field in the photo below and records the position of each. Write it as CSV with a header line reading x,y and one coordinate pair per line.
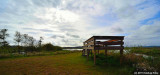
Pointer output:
x,y
63,64
72,63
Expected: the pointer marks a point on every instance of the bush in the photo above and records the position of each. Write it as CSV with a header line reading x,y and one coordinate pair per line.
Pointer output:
x,y
112,60
50,47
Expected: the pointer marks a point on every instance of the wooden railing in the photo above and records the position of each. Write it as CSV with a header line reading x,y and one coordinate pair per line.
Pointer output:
x,y
102,43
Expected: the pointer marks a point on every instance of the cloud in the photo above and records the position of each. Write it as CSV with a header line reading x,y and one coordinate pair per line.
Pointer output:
x,y
43,30
69,23
46,30
116,29
72,35
146,34
56,36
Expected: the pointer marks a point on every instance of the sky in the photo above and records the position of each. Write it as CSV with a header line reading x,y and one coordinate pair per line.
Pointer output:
x,y
71,22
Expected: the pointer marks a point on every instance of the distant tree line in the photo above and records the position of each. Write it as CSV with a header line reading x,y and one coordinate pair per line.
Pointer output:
x,y
23,43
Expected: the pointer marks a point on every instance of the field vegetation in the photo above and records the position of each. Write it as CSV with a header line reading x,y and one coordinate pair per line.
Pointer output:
x,y
71,62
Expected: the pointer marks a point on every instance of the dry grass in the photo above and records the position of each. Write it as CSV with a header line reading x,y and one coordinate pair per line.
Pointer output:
x,y
60,63
66,64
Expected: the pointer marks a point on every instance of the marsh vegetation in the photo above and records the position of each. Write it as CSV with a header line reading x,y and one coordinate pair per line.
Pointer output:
x,y
71,62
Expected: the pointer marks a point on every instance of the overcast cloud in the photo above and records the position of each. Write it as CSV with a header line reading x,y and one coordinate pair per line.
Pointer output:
x,y
70,22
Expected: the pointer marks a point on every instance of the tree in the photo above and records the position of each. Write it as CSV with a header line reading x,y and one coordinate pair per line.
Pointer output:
x,y
3,36
48,47
18,37
40,41
25,39
28,42
51,47
31,41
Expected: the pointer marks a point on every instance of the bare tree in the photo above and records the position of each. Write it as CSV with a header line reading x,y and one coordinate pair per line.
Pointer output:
x,y
3,36
28,42
40,41
18,37
25,39
31,41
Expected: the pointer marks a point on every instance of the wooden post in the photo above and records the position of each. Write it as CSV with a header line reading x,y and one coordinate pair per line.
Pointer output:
x,y
87,54
121,56
94,57
91,52
106,52
94,52
121,53
98,51
82,52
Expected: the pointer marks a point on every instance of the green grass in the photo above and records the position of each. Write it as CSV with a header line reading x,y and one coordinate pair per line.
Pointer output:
x,y
148,51
29,54
72,63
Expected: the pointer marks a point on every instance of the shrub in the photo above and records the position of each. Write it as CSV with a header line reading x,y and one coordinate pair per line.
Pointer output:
x,y
50,47
112,60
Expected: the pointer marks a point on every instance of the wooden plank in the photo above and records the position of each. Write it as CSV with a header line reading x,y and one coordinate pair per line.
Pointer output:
x,y
92,38
89,48
109,37
111,43
101,37
91,43
72,47
110,48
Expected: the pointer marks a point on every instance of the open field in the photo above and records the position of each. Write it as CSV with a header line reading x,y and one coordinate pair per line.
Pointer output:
x,y
62,64
73,64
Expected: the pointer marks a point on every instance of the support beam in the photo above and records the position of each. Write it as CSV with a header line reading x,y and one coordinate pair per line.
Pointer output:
x,y
121,53
94,57
85,52
82,52
98,51
121,56
91,52
88,54
106,52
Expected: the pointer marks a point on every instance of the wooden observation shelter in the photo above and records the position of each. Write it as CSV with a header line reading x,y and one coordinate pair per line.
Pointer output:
x,y
102,43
